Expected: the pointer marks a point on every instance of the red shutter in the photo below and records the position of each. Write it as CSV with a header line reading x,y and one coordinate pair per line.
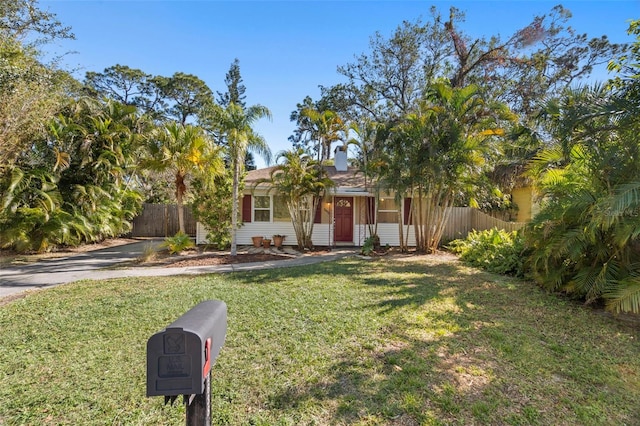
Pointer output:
x,y
371,211
408,218
246,208
318,216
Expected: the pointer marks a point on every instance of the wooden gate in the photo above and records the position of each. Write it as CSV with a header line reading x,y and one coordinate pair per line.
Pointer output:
x,y
161,220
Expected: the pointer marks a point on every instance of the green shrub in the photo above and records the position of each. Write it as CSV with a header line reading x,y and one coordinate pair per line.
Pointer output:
x,y
494,250
368,246
178,243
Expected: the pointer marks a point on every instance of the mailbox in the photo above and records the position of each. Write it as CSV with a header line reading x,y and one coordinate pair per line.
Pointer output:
x,y
180,357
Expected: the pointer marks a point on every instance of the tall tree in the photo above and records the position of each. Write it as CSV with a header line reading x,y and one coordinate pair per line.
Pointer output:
x,y
235,87
435,152
21,19
235,94
126,85
318,126
586,239
186,97
30,94
185,150
325,128
542,57
234,125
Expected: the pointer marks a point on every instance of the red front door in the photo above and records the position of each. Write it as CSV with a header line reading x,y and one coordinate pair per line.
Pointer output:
x,y
343,219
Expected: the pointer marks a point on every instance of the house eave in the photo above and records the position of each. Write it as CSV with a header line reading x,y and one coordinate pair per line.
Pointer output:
x,y
352,192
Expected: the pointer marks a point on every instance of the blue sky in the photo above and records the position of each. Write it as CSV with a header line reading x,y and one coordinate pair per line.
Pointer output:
x,y
286,48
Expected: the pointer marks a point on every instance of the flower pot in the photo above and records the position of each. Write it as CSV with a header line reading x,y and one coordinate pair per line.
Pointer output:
x,y
257,241
277,240
266,243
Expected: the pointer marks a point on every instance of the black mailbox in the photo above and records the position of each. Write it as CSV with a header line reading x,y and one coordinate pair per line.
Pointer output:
x,y
180,357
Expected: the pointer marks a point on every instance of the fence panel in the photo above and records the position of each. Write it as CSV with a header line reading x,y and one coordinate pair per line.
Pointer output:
x,y
161,220
458,224
463,220
482,221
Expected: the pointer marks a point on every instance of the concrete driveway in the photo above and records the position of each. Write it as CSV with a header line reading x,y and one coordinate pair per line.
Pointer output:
x,y
95,265
49,272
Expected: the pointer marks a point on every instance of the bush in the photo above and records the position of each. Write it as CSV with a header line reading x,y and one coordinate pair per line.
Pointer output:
x,y
494,250
368,247
178,243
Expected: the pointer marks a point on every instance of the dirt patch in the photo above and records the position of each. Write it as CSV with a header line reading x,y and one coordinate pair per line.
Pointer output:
x,y
213,259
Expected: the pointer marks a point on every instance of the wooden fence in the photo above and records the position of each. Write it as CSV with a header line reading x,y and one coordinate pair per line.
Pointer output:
x,y
161,220
463,220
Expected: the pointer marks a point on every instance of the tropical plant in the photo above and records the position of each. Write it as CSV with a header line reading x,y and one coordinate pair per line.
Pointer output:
x,y
234,125
323,127
369,246
494,250
186,151
586,239
76,185
178,243
304,183
436,153
96,149
212,206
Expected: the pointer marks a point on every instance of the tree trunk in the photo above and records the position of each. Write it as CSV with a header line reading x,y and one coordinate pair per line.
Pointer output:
x,y
180,190
234,208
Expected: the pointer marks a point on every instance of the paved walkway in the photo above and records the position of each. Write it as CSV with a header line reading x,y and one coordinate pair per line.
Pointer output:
x,y
101,264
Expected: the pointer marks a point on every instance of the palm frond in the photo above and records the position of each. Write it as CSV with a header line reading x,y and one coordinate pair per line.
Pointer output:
x,y
624,296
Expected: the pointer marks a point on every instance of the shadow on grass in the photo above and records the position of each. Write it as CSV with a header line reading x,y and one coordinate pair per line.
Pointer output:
x,y
457,345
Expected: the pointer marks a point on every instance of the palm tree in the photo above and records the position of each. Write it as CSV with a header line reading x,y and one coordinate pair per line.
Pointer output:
x,y
75,185
586,239
234,124
304,183
326,127
434,153
184,150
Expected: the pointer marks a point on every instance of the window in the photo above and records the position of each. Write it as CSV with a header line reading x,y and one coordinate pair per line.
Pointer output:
x,y
280,210
262,208
387,211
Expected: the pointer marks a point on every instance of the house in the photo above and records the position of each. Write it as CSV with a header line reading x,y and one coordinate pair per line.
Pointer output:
x,y
342,218
525,198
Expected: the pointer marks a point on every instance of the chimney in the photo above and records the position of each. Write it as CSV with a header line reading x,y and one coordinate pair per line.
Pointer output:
x,y
340,160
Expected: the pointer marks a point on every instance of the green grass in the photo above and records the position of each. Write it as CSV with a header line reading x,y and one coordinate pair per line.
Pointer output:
x,y
421,342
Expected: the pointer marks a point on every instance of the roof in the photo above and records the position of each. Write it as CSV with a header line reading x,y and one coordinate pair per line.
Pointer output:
x,y
349,181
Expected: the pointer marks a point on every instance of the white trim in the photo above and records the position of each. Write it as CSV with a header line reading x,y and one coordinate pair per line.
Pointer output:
x,y
346,191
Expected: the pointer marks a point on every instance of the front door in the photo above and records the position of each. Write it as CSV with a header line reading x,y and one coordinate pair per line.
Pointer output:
x,y
343,219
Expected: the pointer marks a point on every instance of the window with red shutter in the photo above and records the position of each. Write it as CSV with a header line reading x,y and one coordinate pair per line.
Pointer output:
x,y
318,216
246,208
408,217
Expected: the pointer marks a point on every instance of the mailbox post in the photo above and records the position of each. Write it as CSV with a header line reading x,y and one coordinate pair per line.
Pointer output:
x,y
180,357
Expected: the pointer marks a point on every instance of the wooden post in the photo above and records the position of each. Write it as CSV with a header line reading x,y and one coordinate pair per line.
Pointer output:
x,y
199,409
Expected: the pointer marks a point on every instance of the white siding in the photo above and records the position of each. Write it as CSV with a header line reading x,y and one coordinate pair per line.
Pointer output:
x,y
320,236
461,221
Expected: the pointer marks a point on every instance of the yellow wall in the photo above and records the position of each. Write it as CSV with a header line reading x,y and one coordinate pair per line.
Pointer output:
x,y
523,198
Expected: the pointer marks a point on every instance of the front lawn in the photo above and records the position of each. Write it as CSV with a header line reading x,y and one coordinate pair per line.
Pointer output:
x,y
391,342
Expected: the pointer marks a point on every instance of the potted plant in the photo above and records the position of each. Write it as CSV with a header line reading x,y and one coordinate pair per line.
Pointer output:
x,y
277,240
257,241
266,243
